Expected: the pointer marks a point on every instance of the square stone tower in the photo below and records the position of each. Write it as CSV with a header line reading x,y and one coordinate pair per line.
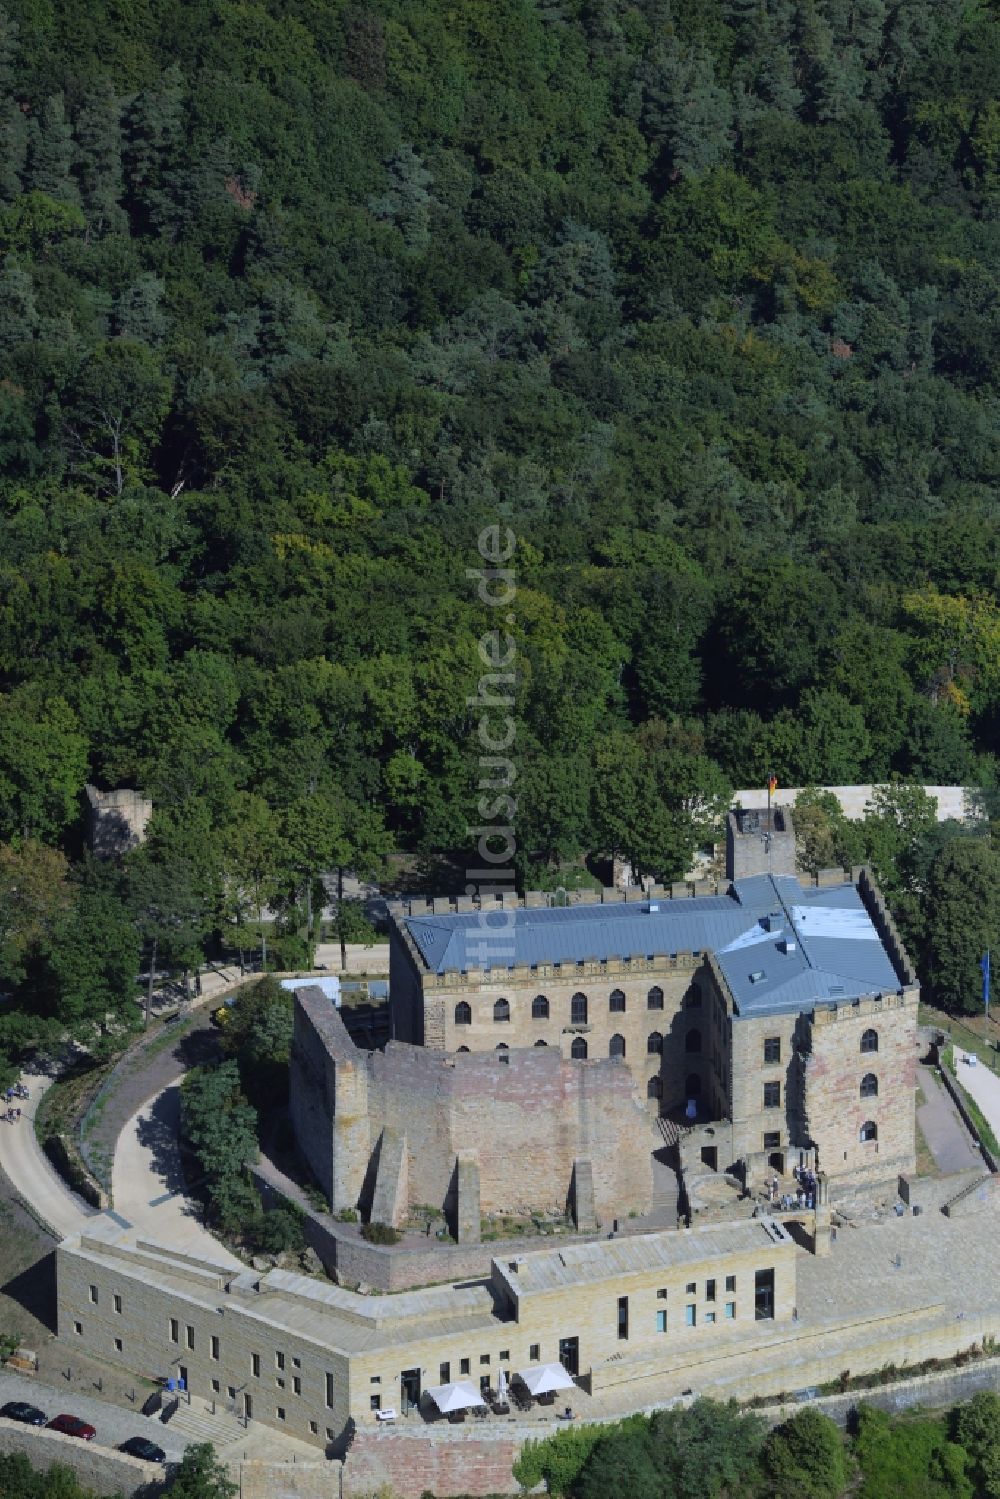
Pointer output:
x,y
759,842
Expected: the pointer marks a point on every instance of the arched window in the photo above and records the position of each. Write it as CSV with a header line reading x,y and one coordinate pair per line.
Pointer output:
x,y
501,1046
578,1010
616,1047
541,1043
463,1048
578,1051
539,1008
692,1041
501,1011
463,1013
869,1085
692,1085
869,1130
654,1043
654,999
869,1041
654,1088
616,1003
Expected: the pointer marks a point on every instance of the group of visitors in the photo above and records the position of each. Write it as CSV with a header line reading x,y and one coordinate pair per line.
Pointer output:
x,y
804,1195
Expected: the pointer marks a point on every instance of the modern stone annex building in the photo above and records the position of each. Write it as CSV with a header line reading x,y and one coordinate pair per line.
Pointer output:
x,y
307,1357
780,1008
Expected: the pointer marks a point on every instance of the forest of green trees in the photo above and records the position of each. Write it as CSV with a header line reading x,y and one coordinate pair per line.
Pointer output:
x,y
698,297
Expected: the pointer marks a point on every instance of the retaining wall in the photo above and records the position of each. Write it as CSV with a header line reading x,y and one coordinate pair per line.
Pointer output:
x,y
98,1468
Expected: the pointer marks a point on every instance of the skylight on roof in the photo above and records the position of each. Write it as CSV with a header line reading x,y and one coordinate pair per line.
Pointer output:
x,y
757,975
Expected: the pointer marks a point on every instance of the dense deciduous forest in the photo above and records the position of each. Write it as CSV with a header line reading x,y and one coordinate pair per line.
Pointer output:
x,y
698,297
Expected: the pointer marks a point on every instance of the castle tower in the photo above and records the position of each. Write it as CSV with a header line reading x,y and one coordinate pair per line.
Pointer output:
x,y
758,842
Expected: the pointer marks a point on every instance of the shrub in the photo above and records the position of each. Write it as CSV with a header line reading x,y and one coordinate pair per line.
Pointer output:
x,y
804,1458
380,1233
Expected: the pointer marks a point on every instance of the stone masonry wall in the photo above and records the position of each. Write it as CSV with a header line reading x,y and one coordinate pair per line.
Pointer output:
x,y
834,1069
526,1114
411,1466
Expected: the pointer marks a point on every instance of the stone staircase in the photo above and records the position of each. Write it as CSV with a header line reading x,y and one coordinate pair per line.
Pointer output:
x,y
669,1131
197,1423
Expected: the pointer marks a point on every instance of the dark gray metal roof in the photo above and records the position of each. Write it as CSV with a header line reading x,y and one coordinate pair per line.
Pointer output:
x,y
780,945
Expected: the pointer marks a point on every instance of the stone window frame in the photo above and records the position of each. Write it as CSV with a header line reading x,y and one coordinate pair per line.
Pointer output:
x,y
654,1088
654,999
463,1013
654,1044
772,1051
578,1049
616,1047
772,1139
869,1042
501,1012
616,1002
868,1132
578,1009
869,1086
772,1095
540,1007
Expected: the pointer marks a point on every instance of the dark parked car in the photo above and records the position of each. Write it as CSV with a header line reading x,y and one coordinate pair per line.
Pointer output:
x,y
72,1426
20,1410
144,1448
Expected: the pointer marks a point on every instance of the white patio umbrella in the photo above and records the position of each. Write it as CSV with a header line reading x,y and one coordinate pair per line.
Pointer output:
x,y
502,1384
541,1379
454,1397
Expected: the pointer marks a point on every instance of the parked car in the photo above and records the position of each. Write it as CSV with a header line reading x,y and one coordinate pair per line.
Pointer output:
x,y
72,1426
144,1448
20,1410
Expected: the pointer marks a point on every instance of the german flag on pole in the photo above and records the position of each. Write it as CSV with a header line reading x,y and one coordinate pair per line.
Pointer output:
x,y
772,785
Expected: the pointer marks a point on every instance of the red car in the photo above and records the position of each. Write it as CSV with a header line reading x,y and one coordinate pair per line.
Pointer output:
x,y
72,1426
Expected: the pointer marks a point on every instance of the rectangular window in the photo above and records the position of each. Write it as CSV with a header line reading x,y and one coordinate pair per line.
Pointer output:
x,y
709,1316
661,1295
280,1382
314,1428
710,1290
175,1330
216,1387
377,1379
214,1347
730,1283
279,1360
329,1392
189,1330
505,1355
118,1345
730,1310
690,1316
691,1289
772,1139
661,1321
375,1402
296,1363
255,1365
93,1294
763,1294
772,1050
623,1316
484,1358
465,1366
279,1411
296,1385
772,1095
117,1303
330,1434
535,1353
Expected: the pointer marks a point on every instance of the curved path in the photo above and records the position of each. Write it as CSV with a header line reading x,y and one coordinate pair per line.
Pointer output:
x,y
148,1185
30,1171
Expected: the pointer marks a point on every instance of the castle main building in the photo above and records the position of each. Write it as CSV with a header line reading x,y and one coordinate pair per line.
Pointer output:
x,y
782,1010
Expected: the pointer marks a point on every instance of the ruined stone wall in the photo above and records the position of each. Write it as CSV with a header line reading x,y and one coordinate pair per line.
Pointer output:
x,y
527,1115
117,820
834,1069
328,1100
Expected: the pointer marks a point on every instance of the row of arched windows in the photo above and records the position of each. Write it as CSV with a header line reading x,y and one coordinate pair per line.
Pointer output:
x,y
541,1008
